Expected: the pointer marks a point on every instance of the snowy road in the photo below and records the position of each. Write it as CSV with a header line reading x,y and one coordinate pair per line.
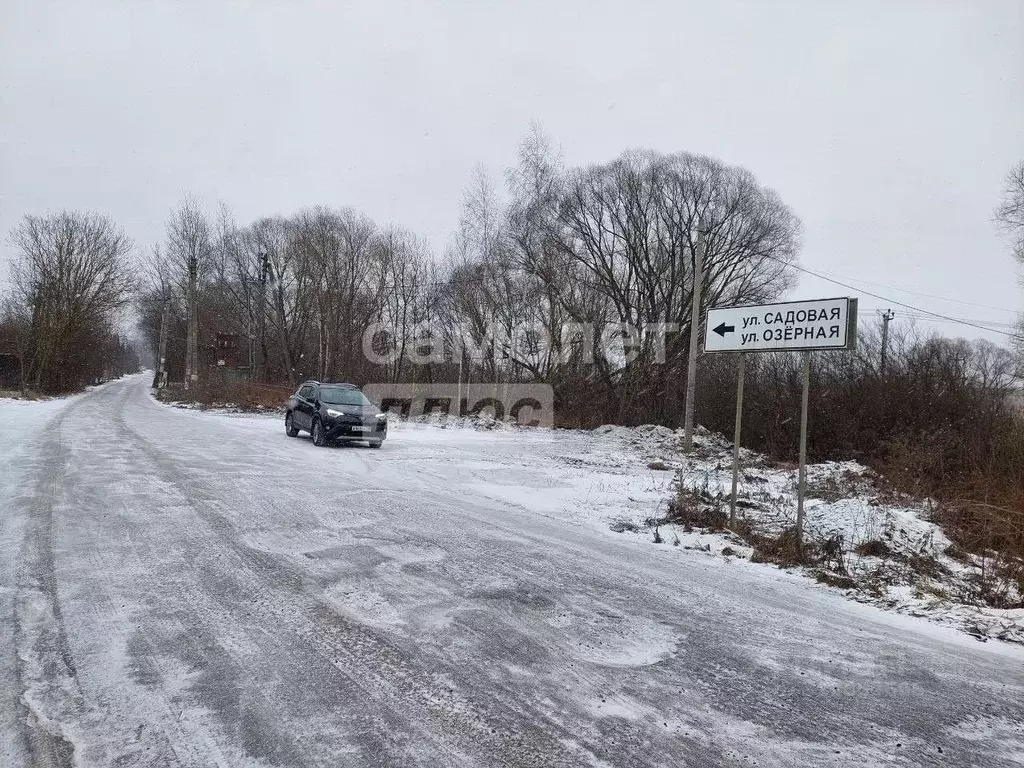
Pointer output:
x,y
192,589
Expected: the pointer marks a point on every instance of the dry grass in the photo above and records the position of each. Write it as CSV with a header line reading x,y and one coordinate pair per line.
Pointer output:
x,y
698,507
873,548
781,550
244,395
17,394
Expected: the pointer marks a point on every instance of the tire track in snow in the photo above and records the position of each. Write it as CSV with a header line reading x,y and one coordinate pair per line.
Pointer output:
x,y
482,724
44,668
145,722
54,710
60,721
180,645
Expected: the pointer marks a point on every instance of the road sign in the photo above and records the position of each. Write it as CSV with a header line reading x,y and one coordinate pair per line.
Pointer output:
x,y
792,325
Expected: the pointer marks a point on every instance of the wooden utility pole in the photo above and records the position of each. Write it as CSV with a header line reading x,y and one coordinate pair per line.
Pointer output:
x,y
161,379
886,317
691,363
192,338
458,404
261,319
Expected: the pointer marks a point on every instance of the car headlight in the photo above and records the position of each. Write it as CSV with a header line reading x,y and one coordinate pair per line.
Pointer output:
x,y
382,415
332,412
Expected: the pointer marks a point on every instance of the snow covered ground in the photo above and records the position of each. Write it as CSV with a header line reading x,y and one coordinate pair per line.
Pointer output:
x,y
891,553
623,479
194,588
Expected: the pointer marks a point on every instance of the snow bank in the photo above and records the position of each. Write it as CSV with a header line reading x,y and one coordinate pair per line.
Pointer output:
x,y
889,552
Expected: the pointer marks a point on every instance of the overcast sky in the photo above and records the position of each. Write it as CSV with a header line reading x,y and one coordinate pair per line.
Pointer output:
x,y
887,126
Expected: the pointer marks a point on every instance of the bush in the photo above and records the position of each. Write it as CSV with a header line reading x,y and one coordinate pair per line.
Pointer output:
x,y
241,394
873,548
942,422
781,549
838,580
698,507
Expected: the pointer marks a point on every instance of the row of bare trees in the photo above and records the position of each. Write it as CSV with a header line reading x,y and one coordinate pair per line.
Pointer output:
x,y
61,320
540,270
301,291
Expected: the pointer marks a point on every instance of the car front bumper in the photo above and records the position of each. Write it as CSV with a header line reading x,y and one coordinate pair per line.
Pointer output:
x,y
343,429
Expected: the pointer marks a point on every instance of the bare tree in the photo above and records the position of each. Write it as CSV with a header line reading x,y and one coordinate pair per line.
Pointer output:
x,y
536,185
1010,212
1009,217
239,281
71,276
287,282
491,294
610,248
407,272
631,228
190,250
335,247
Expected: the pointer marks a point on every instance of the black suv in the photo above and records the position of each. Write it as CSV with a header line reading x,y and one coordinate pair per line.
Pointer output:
x,y
333,412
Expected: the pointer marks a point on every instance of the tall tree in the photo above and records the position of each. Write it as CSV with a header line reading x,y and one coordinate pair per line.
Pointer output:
x,y
1010,212
1010,218
72,275
190,250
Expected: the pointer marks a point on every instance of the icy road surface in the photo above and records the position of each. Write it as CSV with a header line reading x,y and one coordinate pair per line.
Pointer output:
x,y
194,589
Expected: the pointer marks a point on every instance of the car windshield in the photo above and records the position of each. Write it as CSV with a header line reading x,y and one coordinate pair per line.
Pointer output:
x,y
343,396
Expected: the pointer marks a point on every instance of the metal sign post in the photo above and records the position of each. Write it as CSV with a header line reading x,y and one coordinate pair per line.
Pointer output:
x,y
736,437
802,474
819,324
691,362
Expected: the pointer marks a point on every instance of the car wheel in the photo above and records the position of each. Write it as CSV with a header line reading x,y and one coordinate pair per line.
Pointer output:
x,y
375,443
317,432
289,427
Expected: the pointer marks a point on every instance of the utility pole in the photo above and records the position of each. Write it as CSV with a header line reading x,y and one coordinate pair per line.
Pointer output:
x,y
161,379
458,402
192,339
886,317
261,319
691,363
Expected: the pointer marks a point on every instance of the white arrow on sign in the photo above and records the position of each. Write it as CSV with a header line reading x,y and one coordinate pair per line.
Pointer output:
x,y
791,325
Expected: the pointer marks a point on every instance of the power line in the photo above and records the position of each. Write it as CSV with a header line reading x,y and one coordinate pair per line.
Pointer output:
x,y
893,301
995,323
960,321
919,293
920,316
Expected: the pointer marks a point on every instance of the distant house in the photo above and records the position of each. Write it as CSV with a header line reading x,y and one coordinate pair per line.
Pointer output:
x,y
227,351
225,357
